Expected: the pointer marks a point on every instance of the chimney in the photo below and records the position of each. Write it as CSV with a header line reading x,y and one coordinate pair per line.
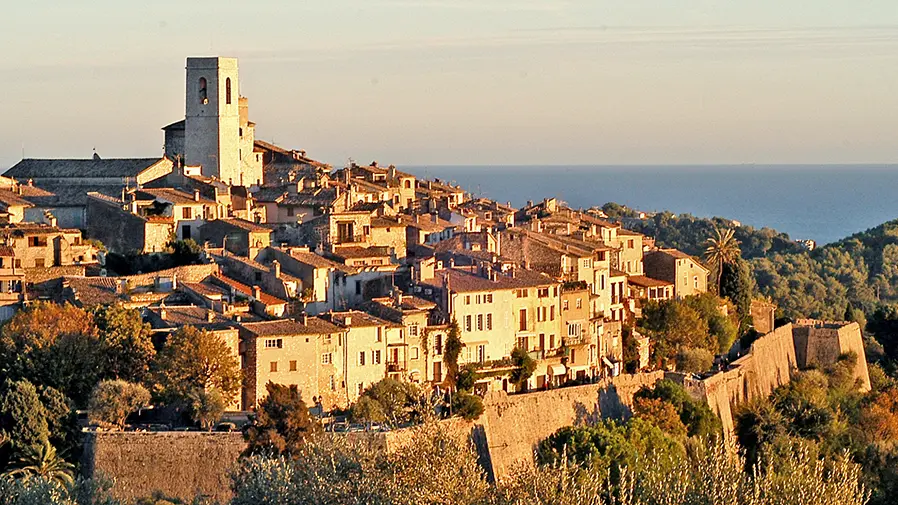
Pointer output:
x,y
18,188
196,195
276,269
434,218
305,319
31,182
257,292
163,314
347,321
210,316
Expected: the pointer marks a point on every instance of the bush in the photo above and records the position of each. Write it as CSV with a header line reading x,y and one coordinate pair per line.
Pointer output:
x,y
113,401
206,407
467,405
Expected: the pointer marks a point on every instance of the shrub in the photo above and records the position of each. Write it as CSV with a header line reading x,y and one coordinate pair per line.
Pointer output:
x,y
113,401
694,360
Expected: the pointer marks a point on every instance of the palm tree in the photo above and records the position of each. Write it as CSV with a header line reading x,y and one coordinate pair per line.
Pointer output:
x,y
722,249
43,461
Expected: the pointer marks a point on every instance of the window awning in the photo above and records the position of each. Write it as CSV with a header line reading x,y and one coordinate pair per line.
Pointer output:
x,y
557,370
607,362
581,368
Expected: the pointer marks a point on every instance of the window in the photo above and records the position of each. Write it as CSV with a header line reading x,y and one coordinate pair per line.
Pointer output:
x,y
187,213
413,330
18,263
228,91
358,287
477,300
565,305
603,282
292,365
468,322
551,341
258,276
290,211
552,313
326,358
438,345
467,299
540,314
523,343
481,353
414,353
274,343
39,262
408,184
380,334
204,99
489,322
479,322
375,357
586,263
488,298
574,329
362,358
520,293
522,320
542,293
273,366
579,303
333,383
695,281
360,387
630,244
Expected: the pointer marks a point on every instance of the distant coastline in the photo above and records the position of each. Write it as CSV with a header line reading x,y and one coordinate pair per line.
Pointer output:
x,y
822,202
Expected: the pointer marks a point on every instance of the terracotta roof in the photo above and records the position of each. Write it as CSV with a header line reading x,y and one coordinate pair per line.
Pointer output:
x,y
317,261
175,196
647,282
360,252
204,288
189,315
75,168
617,273
287,327
243,224
631,233
462,281
357,319
90,291
248,291
10,199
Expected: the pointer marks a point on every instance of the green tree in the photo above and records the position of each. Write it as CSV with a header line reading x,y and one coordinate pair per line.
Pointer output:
x,y
43,461
721,249
206,407
524,366
697,416
62,421
185,252
282,422
396,402
672,325
53,345
660,413
194,359
694,360
467,375
758,424
23,419
114,400
883,324
127,343
739,287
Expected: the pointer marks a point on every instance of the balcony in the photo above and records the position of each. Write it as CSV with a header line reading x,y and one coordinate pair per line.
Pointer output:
x,y
395,367
582,338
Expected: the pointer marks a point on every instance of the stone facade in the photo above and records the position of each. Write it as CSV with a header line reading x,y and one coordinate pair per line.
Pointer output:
x,y
819,343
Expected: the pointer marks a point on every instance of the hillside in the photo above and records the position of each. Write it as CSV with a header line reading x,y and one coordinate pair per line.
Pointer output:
x,y
861,269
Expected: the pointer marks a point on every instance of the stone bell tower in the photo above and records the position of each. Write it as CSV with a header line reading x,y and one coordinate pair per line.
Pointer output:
x,y
212,122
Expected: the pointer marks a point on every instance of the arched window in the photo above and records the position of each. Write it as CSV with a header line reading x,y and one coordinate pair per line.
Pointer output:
x,y
228,91
203,96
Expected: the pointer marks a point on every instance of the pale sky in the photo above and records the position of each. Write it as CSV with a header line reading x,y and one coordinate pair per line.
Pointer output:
x,y
467,81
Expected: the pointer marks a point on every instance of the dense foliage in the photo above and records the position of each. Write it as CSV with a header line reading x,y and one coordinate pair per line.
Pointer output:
x,y
282,422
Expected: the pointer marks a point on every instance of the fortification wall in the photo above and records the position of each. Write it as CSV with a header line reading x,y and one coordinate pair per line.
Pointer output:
x,y
769,364
512,426
179,464
820,343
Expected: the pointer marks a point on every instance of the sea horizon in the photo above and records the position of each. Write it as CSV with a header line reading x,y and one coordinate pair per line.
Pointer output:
x,y
820,202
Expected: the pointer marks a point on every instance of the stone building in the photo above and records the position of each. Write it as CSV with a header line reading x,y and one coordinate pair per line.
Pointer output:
x,y
237,236
112,223
686,273
308,352
188,212
365,352
411,358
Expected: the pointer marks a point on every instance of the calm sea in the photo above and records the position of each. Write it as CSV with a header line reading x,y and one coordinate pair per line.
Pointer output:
x,y
823,203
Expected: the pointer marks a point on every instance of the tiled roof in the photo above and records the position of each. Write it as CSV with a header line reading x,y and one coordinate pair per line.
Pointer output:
x,y
618,273
631,233
89,291
62,168
360,252
66,195
357,319
646,282
174,196
287,327
188,315
462,281
248,291
243,224
10,199
316,261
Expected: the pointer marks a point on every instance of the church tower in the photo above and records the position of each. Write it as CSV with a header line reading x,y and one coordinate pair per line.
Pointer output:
x,y
212,122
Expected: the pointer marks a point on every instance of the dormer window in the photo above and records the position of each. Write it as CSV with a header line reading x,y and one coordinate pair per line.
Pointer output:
x,y
228,91
204,98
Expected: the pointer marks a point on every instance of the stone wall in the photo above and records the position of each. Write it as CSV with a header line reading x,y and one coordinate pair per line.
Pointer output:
x,y
768,364
514,425
177,464
819,344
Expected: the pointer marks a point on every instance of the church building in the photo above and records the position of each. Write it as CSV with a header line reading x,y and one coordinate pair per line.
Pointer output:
x,y
216,134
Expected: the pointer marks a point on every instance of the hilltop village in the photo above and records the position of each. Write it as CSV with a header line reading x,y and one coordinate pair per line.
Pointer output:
x,y
334,282
330,279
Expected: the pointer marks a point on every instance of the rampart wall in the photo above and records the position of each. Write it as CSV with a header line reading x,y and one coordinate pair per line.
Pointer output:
x,y
178,464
